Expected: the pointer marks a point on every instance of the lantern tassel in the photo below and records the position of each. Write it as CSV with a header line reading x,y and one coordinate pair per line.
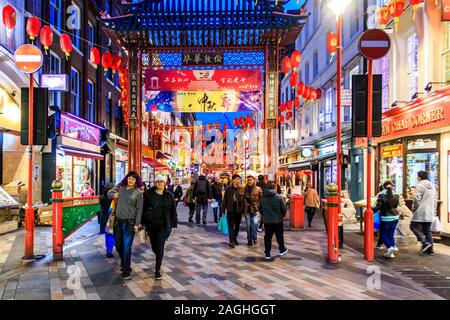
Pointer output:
x,y
67,56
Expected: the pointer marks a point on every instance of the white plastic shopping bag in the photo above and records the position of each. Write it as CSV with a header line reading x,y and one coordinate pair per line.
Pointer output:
x,y
436,225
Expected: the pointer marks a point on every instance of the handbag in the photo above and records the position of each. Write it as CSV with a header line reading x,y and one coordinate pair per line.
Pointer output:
x,y
112,217
223,225
436,225
376,220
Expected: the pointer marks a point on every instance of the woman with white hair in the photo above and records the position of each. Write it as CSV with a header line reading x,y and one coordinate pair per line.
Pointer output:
x,y
159,217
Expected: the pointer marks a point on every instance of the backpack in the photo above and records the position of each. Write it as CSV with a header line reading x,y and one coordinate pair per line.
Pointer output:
x,y
201,186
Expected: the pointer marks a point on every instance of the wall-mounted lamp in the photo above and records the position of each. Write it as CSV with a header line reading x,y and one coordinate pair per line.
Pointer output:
x,y
416,95
395,103
429,85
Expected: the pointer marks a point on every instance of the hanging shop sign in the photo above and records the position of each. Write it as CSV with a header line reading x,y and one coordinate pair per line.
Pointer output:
x,y
346,97
192,80
77,129
202,59
425,113
445,10
206,101
55,82
394,150
307,152
271,96
327,149
147,152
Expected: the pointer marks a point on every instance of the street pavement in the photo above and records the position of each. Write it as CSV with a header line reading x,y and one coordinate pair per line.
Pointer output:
x,y
198,264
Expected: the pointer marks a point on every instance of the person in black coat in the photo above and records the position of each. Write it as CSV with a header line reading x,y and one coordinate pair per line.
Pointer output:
x,y
159,217
177,191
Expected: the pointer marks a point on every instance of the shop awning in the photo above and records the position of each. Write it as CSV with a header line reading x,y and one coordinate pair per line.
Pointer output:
x,y
81,153
155,164
161,155
301,165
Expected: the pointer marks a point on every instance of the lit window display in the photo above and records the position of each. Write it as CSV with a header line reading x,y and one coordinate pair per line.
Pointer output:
x,y
73,172
416,162
391,165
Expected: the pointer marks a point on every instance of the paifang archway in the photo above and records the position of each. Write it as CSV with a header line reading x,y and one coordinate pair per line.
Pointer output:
x,y
202,30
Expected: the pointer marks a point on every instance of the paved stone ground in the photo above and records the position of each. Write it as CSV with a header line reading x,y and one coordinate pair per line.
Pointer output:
x,y
198,265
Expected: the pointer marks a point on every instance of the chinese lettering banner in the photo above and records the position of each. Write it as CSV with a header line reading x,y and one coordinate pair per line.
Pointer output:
x,y
199,59
192,80
133,86
272,96
445,10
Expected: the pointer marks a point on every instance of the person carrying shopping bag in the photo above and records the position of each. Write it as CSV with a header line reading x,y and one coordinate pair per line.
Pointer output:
x,y
127,218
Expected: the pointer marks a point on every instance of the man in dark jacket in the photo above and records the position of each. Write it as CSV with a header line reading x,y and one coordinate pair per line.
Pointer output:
x,y
159,217
202,194
235,205
216,194
177,191
273,209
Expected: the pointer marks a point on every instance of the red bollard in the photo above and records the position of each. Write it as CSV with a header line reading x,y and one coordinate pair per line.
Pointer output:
x,y
297,211
57,229
333,212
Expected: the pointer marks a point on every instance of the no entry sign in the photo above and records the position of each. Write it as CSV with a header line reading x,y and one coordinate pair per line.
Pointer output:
x,y
28,58
374,44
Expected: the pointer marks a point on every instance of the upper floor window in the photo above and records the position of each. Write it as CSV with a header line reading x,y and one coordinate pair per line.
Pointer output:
x,y
446,52
315,64
91,36
108,115
315,13
75,90
54,97
384,62
329,107
55,14
307,73
91,101
413,57
354,18
75,23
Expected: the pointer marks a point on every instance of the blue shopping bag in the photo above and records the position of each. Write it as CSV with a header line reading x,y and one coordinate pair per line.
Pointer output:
x,y
223,224
376,220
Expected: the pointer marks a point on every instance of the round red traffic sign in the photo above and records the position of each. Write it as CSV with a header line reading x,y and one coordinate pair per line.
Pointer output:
x,y
28,58
374,44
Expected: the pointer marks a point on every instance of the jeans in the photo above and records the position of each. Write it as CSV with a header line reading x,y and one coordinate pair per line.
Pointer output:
x,y
310,212
123,238
422,230
191,207
109,243
198,207
252,226
157,235
219,208
234,222
387,232
271,229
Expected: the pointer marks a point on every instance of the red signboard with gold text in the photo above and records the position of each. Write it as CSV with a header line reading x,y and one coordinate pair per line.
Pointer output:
x,y
430,112
79,129
392,151
445,10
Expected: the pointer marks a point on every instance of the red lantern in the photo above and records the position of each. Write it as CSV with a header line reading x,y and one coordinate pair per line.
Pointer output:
x,y
415,4
383,16
313,94
181,138
107,60
307,172
46,37
296,102
116,61
262,125
154,108
318,93
236,122
253,123
33,27
286,65
332,43
396,8
293,80
300,88
242,121
289,105
307,94
281,119
94,56
66,44
283,107
210,127
296,57
9,16
289,116
248,119
166,128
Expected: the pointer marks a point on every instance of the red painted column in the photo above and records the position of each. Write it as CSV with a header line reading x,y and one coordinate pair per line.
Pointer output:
x,y
29,212
368,215
57,229
332,221
297,211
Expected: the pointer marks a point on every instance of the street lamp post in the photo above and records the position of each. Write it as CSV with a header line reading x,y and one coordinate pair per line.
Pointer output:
x,y
338,7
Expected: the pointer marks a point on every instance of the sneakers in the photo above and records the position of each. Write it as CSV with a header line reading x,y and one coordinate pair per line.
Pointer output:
x,y
425,247
255,241
395,249
158,275
381,247
191,221
204,221
284,252
390,253
126,276
268,258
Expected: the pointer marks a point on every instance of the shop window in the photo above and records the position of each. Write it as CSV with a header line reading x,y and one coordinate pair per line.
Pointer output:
x,y
426,161
391,165
413,57
446,52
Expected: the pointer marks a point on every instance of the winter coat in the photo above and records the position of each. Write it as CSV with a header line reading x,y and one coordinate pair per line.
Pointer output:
x,y
202,197
228,200
170,212
424,203
272,207
216,191
178,192
382,206
311,198
190,194
253,195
